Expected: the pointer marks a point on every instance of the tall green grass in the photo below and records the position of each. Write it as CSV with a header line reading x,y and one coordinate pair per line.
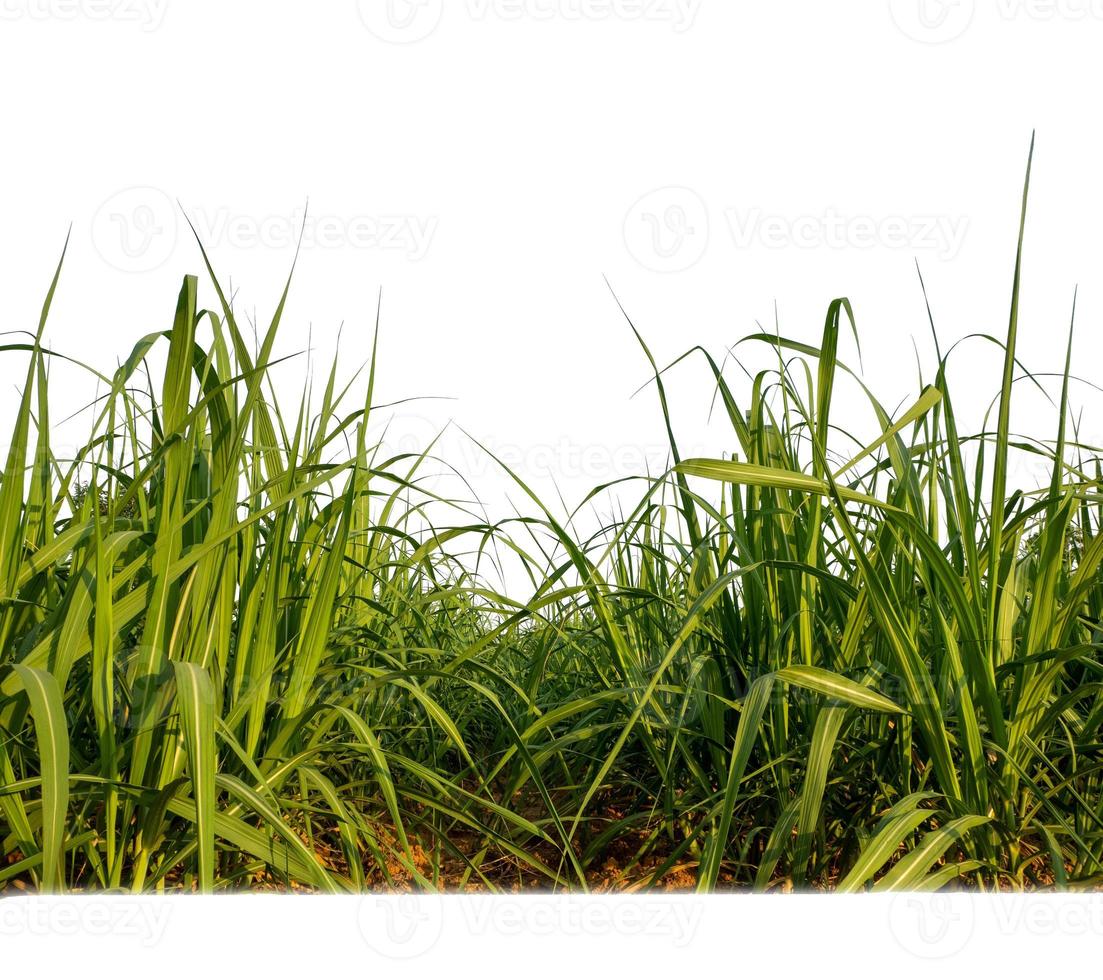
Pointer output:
x,y
241,647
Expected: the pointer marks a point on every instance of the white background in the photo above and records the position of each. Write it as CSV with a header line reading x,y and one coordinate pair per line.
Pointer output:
x,y
543,936
486,163
488,175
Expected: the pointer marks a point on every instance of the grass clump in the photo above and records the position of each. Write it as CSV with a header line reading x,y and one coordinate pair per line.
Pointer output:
x,y
241,648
